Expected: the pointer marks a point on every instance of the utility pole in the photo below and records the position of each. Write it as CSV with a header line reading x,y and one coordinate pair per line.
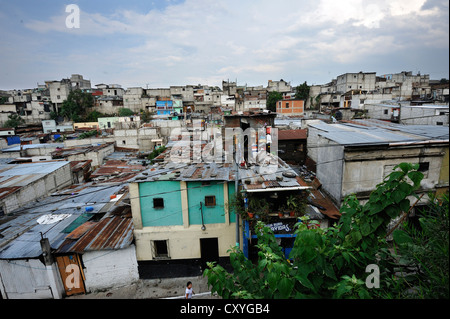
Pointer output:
x,y
52,271
236,184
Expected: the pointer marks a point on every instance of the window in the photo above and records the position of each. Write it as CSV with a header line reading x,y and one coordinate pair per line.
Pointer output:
x,y
385,111
124,142
158,203
287,105
160,249
210,201
439,123
423,167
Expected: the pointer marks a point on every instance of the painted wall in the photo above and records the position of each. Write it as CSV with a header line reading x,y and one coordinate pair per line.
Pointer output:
x,y
212,214
171,214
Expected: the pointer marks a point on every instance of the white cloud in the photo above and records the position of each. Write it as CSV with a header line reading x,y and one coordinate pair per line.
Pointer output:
x,y
201,39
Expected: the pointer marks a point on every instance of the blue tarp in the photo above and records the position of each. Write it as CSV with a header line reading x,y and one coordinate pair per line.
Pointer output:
x,y
13,140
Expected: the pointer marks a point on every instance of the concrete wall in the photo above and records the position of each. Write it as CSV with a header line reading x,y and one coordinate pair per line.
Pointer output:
x,y
364,169
108,269
424,115
329,166
38,188
86,141
96,156
24,279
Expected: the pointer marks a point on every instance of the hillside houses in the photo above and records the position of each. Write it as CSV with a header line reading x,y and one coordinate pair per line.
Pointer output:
x,y
128,198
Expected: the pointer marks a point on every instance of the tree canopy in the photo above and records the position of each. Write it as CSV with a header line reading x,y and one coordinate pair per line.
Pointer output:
x,y
302,92
272,99
76,105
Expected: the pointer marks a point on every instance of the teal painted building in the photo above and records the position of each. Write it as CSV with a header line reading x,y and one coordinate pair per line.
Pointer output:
x,y
177,212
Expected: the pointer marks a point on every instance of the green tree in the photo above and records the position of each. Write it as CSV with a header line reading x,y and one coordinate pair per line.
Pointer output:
x,y
324,263
146,116
302,92
14,120
74,108
125,112
272,99
93,116
422,255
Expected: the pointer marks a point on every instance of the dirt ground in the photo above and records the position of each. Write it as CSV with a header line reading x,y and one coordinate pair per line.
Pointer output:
x,y
172,288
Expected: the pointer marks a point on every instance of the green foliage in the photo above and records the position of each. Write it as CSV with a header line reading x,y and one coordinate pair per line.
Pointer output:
x,y
258,206
297,204
302,92
125,112
93,116
74,108
146,116
323,263
156,152
14,120
87,134
272,99
422,255
236,204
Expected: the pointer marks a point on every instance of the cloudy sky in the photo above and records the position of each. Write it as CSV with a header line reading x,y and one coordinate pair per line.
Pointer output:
x,y
174,42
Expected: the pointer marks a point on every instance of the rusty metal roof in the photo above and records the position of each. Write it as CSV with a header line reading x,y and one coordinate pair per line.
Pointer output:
x,y
113,231
20,231
292,135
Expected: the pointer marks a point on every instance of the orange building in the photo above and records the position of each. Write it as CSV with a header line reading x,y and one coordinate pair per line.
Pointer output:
x,y
291,107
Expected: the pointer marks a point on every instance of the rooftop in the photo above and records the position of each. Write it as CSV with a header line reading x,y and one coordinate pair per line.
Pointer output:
x,y
372,132
81,149
292,135
59,215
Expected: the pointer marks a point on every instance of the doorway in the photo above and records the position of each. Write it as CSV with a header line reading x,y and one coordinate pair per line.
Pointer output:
x,y
209,249
72,274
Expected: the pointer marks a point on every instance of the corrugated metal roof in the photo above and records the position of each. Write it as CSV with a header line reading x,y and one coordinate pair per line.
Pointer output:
x,y
191,172
114,231
292,134
37,168
21,234
378,132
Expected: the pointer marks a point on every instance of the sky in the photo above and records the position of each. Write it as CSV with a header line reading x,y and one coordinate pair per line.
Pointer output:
x,y
161,43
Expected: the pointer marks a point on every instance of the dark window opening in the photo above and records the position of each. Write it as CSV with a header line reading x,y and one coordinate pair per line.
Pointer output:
x,y
423,167
160,249
210,201
158,202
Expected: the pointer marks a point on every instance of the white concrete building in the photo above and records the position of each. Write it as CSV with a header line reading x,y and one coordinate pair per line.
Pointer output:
x,y
279,86
364,81
132,98
23,183
352,158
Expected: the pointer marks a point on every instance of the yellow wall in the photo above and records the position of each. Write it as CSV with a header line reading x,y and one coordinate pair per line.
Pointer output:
x,y
444,178
184,243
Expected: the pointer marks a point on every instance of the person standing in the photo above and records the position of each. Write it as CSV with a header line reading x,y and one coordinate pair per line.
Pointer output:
x,y
189,290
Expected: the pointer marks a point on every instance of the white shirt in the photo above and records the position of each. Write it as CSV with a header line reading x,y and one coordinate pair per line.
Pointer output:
x,y
189,293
